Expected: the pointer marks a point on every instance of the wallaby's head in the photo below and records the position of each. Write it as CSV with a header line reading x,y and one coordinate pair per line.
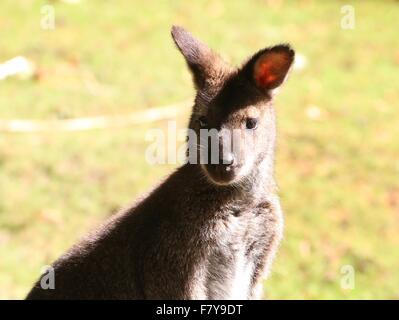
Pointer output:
x,y
233,118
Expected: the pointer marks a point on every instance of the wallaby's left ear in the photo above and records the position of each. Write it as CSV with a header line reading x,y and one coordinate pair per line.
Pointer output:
x,y
202,61
268,68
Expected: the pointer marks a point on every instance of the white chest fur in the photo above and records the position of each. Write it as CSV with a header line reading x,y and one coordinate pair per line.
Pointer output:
x,y
229,269
240,283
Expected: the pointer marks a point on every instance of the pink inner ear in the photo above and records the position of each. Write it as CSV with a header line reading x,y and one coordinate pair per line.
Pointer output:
x,y
265,75
269,70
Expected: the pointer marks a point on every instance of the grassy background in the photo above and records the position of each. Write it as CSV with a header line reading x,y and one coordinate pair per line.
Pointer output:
x,y
338,168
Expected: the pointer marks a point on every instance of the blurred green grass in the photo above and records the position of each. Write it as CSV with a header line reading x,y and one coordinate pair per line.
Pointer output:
x,y
338,172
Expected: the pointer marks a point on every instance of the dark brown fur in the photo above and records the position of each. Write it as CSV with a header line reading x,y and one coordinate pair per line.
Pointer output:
x,y
189,237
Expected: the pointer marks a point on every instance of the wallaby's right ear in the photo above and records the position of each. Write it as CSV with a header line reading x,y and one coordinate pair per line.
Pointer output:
x,y
268,68
201,60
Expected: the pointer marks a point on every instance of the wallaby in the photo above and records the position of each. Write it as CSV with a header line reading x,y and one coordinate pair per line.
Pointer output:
x,y
208,231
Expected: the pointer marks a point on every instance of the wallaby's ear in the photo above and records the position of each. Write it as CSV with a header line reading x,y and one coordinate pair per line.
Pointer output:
x,y
268,68
201,60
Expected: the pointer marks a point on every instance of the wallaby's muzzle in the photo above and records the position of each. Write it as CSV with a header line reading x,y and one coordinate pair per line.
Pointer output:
x,y
222,162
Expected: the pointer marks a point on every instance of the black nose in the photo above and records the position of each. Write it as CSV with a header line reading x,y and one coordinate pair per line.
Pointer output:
x,y
227,159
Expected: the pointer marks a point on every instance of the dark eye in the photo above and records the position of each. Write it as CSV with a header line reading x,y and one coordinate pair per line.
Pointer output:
x,y
252,123
202,122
